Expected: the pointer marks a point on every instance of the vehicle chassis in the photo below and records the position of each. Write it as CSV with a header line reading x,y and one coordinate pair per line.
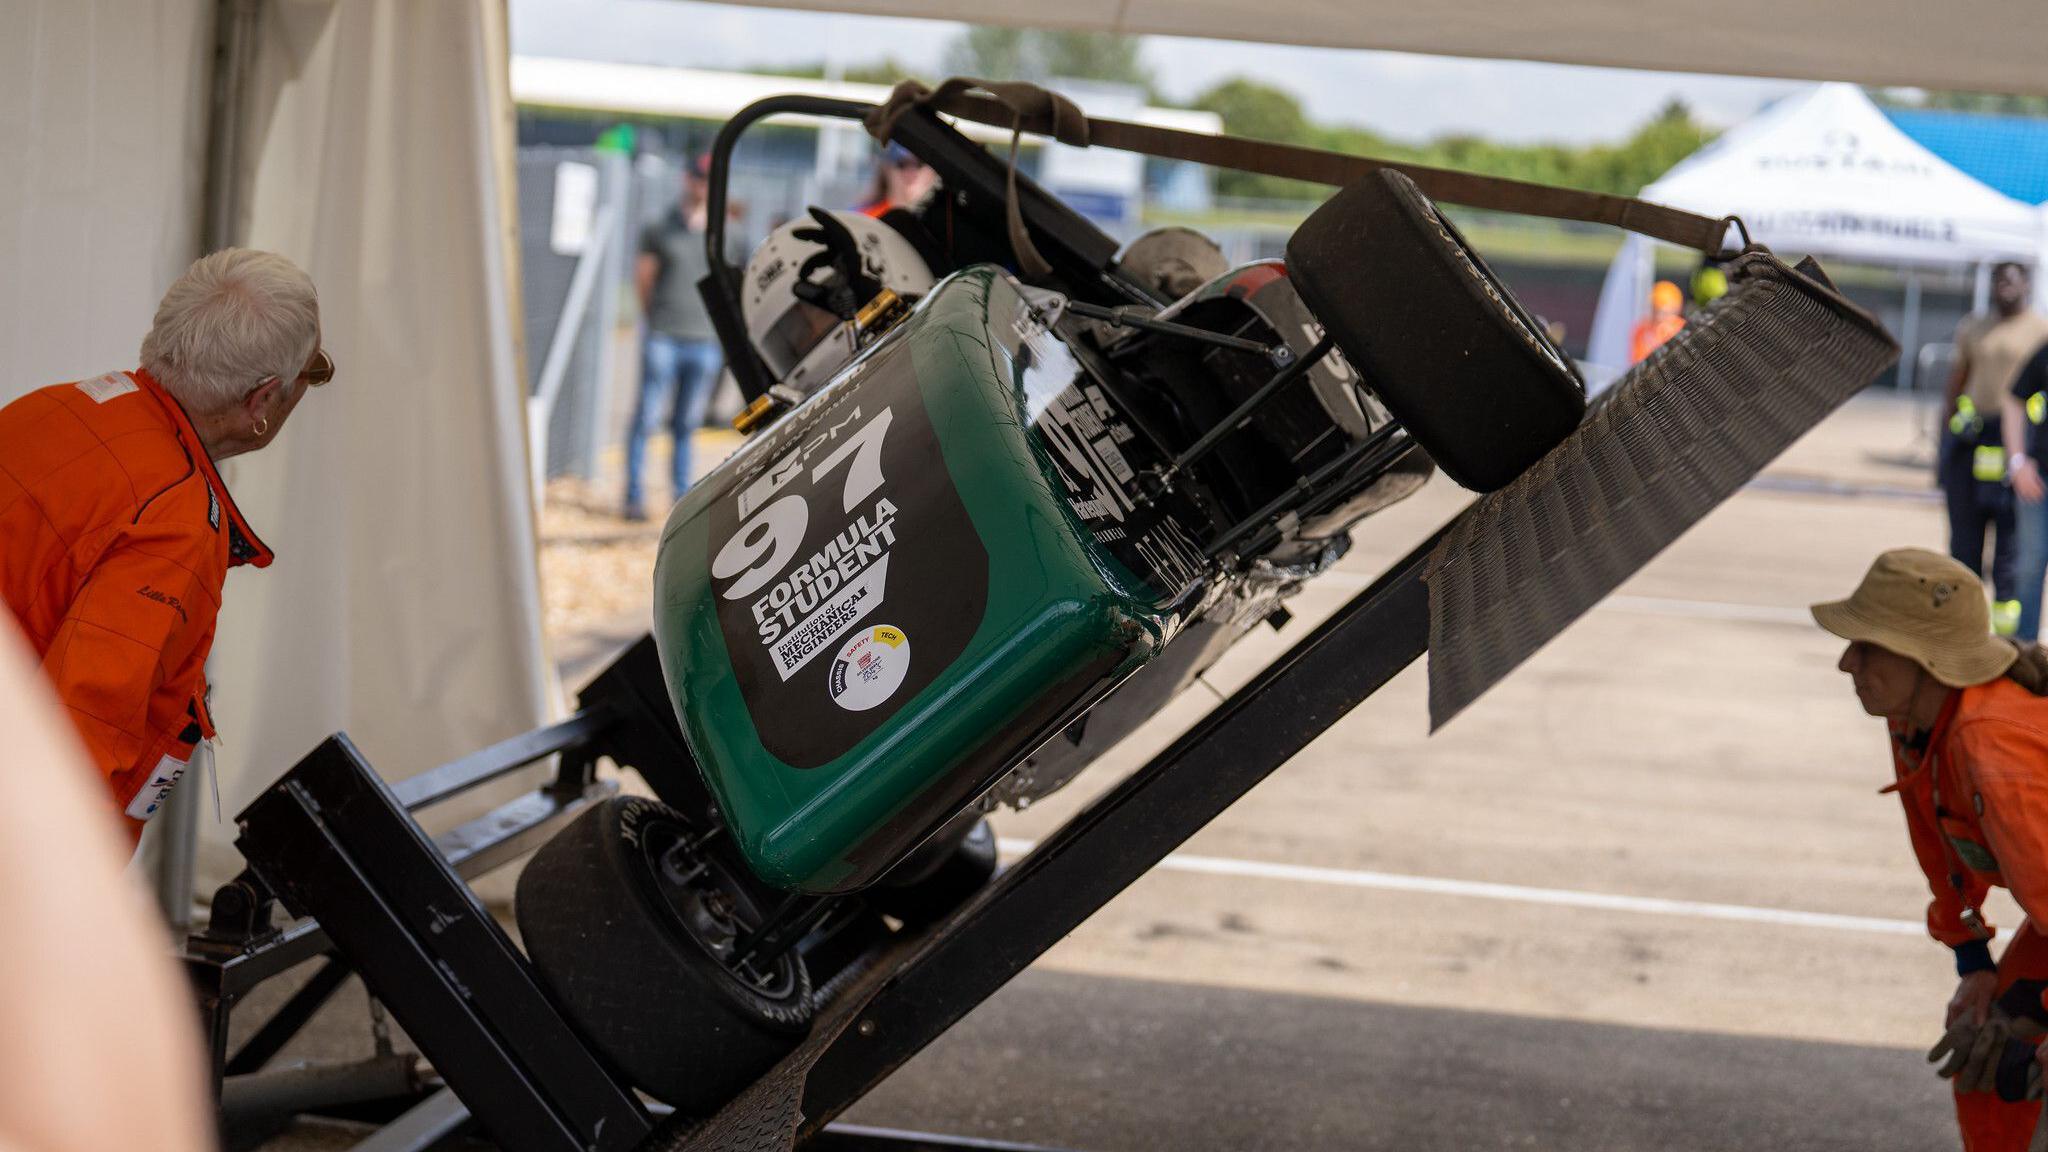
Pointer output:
x,y
338,848
372,894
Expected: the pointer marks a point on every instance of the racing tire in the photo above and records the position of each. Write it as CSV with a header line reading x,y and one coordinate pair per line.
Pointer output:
x,y
1435,334
627,951
944,884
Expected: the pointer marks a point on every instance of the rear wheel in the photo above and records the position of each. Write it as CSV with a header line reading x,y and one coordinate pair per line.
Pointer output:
x,y
1442,342
634,935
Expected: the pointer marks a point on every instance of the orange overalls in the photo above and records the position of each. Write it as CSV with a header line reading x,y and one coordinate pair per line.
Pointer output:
x,y
1652,333
116,535
1976,805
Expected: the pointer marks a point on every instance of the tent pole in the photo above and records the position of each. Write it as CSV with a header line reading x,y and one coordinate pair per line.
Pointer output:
x,y
1980,289
1909,333
234,50
234,56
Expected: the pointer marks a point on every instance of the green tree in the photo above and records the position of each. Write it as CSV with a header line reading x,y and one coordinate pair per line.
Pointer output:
x,y
993,54
1263,112
1625,168
1038,55
887,70
1995,103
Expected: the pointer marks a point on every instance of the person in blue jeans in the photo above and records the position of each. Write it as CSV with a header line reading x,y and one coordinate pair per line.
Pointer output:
x,y
679,355
2023,413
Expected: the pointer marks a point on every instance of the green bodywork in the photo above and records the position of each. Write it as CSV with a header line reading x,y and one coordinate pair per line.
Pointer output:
x,y
1063,619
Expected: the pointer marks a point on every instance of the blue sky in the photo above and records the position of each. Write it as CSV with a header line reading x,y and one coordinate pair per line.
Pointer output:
x,y
1400,94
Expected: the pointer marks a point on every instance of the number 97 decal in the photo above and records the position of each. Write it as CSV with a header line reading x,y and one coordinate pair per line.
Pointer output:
x,y
765,544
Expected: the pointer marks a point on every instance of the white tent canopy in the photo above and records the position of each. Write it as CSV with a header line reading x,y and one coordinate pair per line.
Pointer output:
x,y
1991,45
1824,173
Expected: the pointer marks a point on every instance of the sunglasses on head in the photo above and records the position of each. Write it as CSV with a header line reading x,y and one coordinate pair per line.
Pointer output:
x,y
322,370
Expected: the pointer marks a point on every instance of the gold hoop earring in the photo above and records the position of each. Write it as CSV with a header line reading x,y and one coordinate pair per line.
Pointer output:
x,y
262,426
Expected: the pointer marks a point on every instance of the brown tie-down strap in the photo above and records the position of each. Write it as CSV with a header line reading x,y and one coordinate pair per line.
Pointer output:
x,y
1029,108
1020,108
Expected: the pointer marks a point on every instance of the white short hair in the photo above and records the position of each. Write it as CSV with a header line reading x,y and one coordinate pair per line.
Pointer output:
x,y
233,320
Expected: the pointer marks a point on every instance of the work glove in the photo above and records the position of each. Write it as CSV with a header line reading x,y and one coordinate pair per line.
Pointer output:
x,y
850,287
1972,1054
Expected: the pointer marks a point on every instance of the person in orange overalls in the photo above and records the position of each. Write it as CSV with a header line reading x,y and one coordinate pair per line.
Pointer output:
x,y
1969,740
1664,321
116,532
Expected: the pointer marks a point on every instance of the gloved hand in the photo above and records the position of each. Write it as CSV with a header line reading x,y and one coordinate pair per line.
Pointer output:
x,y
1973,1052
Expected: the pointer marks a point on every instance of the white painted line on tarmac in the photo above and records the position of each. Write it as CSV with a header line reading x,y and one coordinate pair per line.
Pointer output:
x,y
1517,893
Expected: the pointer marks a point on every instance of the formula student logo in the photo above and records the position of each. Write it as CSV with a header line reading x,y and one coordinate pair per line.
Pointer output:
x,y
826,560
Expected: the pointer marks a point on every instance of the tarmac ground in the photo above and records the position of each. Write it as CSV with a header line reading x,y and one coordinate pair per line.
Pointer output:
x,y
1643,895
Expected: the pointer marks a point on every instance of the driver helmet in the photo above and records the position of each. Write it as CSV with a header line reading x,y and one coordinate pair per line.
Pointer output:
x,y
803,344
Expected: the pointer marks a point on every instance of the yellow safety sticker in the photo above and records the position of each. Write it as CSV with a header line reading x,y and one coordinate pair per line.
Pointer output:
x,y
1988,463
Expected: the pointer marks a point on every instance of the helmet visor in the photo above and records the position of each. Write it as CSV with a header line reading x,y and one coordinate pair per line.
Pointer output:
x,y
785,345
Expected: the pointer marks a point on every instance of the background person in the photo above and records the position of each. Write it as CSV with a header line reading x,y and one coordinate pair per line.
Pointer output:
x,y
116,533
1990,349
1666,319
2025,410
679,354
1969,741
901,180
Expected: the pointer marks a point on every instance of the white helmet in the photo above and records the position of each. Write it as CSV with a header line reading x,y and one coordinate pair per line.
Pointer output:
x,y
802,343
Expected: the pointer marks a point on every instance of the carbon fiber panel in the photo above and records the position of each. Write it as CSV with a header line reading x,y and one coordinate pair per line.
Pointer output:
x,y
1673,439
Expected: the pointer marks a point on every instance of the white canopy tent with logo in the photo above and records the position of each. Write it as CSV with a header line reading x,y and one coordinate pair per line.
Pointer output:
x,y
1824,173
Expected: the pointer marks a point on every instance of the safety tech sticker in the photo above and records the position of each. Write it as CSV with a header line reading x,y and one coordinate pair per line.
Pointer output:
x,y
869,668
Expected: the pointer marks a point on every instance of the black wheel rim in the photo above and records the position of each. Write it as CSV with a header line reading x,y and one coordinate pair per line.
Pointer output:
x,y
702,904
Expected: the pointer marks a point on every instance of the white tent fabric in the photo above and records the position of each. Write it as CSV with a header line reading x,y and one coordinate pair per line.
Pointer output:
x,y
1825,173
104,131
404,603
1990,45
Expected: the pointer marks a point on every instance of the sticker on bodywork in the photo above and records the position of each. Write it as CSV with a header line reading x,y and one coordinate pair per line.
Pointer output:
x,y
856,515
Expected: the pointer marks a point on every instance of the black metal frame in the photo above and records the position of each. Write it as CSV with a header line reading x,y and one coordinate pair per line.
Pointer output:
x,y
339,849
370,893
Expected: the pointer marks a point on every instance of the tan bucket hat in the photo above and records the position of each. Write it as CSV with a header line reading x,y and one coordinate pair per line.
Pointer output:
x,y
1928,608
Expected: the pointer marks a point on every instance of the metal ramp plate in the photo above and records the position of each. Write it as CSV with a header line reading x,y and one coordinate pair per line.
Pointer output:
x,y
1674,438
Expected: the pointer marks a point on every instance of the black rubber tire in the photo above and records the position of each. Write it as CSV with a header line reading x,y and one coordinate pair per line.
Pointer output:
x,y
945,884
1438,337
651,998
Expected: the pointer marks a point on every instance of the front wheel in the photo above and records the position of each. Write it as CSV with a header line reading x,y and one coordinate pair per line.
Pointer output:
x,y
634,934
1435,334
